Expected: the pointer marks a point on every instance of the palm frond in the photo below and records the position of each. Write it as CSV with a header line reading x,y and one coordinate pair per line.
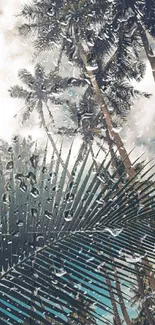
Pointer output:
x,y
59,239
26,77
18,92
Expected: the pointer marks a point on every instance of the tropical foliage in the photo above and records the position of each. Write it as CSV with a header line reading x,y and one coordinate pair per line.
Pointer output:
x,y
85,31
73,242
70,248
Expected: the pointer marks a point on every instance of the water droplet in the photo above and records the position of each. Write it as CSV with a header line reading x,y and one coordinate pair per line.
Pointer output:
x,y
61,272
6,198
20,223
55,281
56,205
9,164
40,237
100,265
49,200
23,186
50,12
135,258
68,215
15,234
15,138
32,177
34,192
48,215
19,176
114,232
10,149
34,160
92,67
90,259
36,275
117,129
8,186
143,238
36,291
34,212
44,170
69,197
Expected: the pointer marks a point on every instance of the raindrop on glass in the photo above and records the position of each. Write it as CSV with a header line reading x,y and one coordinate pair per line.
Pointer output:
x,y
20,223
9,164
34,161
34,192
34,212
68,215
19,176
114,232
61,272
48,215
6,198
23,187
32,177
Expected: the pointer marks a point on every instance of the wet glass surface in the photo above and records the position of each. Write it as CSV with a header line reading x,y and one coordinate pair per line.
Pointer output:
x,y
77,193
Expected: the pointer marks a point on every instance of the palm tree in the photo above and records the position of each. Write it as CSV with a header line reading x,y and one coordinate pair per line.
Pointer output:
x,y
134,21
38,91
54,241
74,22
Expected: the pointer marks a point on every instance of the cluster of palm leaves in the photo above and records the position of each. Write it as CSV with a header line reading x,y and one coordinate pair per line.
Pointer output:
x,y
71,249
104,40
73,242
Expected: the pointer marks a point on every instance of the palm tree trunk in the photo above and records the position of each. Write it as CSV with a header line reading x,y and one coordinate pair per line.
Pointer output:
x,y
51,139
56,70
146,304
121,300
118,142
149,274
148,50
112,298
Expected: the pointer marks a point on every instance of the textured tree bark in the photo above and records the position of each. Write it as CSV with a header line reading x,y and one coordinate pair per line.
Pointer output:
x,y
146,305
114,306
108,121
149,275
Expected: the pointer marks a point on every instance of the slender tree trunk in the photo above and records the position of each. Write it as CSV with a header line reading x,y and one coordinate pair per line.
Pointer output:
x,y
51,139
114,306
118,142
146,304
121,300
149,275
148,50
56,70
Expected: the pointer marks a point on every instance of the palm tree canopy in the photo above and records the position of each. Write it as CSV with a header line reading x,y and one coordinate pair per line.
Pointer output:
x,y
40,88
59,22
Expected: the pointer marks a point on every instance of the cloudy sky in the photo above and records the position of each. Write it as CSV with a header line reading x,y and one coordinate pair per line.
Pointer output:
x,y
17,52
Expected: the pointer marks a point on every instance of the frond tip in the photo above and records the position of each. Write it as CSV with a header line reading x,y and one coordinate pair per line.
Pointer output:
x,y
18,92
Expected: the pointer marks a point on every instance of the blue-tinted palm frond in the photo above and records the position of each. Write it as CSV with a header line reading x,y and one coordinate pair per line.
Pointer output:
x,y
61,239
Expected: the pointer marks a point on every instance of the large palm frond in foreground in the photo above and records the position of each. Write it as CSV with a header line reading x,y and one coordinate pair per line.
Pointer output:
x,y
62,240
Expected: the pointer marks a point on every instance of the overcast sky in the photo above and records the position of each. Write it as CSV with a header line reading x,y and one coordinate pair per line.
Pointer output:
x,y
16,53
